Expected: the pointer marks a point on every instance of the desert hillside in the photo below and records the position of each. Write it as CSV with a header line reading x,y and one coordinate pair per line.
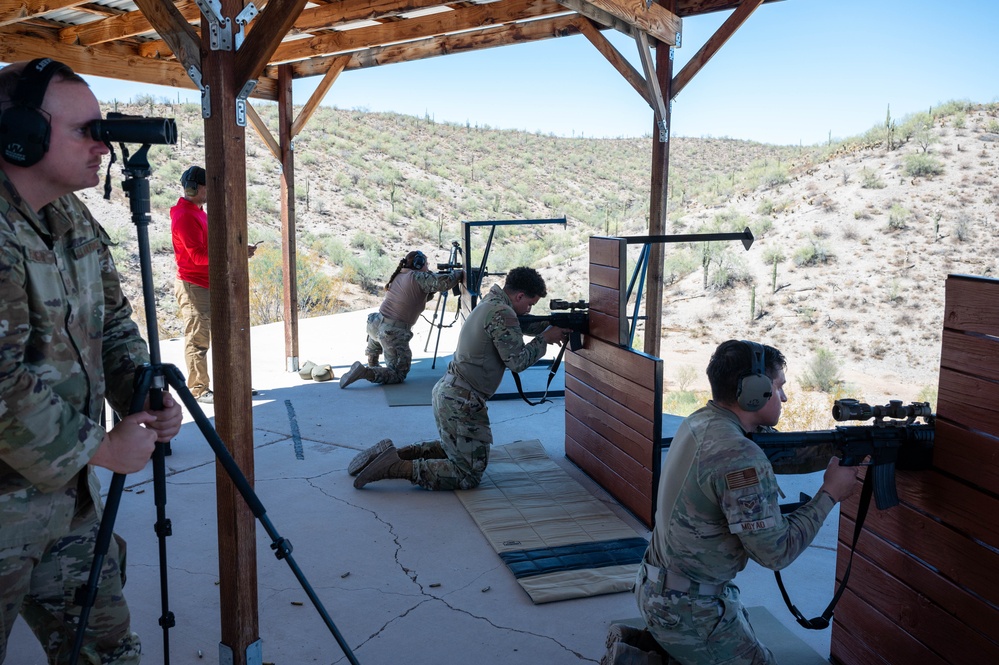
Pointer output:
x,y
854,239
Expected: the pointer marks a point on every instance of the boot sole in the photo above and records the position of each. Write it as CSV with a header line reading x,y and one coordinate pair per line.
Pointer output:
x,y
366,457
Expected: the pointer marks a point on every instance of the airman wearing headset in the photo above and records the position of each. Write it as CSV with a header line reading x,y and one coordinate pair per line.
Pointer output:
x,y
389,329
716,508
67,342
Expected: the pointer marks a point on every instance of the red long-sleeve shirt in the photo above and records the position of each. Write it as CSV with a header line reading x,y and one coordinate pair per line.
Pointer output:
x,y
189,226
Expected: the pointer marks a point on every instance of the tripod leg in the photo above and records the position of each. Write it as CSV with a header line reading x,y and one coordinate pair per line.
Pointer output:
x,y
433,323
282,547
443,300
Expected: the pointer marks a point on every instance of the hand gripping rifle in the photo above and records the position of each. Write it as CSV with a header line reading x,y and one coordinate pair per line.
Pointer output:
x,y
577,319
578,323
890,444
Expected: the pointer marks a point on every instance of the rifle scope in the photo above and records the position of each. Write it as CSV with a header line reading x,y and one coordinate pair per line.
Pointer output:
x,y
851,409
557,304
121,128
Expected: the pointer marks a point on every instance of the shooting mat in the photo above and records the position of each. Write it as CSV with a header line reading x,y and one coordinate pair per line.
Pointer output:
x,y
557,539
416,389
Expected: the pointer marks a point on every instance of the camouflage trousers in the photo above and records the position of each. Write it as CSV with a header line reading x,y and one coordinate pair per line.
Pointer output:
x,y
39,581
700,630
390,338
463,424
194,307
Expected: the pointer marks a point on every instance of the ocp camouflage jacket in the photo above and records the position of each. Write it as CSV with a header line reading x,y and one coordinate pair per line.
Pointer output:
x,y
66,341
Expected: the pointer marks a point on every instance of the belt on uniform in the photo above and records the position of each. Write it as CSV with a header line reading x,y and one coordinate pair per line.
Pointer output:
x,y
663,579
459,382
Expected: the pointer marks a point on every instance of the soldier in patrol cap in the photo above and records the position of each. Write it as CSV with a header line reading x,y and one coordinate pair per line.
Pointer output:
x,y
717,507
490,341
67,342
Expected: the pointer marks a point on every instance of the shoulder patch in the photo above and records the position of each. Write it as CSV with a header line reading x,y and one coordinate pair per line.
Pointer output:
x,y
742,478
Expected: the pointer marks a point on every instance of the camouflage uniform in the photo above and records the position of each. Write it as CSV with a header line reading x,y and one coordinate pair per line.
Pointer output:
x,y
490,341
67,341
716,509
390,336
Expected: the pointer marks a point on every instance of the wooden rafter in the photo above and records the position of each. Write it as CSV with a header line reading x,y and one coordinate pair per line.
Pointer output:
x,y
176,31
119,27
268,30
466,18
336,68
13,11
631,17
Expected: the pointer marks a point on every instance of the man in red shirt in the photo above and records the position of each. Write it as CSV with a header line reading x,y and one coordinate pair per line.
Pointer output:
x,y
189,226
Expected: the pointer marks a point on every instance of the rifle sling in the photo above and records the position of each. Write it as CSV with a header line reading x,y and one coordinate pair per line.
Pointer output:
x,y
822,622
551,375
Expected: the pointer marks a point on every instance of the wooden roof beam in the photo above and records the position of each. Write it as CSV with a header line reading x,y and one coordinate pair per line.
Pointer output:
x,y
175,31
473,40
334,71
715,42
111,61
14,11
466,18
265,34
631,17
341,12
120,27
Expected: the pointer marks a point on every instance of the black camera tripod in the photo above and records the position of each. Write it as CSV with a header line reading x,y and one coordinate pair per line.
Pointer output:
x,y
151,380
453,262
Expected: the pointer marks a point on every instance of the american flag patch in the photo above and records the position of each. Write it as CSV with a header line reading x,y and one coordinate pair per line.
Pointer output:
x,y
742,478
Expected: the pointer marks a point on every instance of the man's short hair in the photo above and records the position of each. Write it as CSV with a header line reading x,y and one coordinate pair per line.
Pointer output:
x,y
526,280
734,359
10,76
191,178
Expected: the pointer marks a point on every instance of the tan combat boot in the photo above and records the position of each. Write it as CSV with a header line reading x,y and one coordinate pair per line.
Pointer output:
x,y
387,465
356,371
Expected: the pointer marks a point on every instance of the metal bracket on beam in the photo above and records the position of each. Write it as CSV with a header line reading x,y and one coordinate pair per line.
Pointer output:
x,y
219,27
242,20
254,654
241,101
206,100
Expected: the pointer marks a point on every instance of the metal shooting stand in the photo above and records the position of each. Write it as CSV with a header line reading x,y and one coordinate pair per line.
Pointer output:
x,y
641,267
151,380
453,261
475,275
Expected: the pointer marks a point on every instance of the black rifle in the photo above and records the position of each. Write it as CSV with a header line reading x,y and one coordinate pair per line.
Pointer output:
x,y
577,320
891,444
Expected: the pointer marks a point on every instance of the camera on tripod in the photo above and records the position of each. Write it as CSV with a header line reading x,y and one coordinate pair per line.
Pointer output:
x,y
122,128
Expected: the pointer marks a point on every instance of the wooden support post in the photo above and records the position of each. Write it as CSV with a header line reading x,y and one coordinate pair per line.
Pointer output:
x,y
289,253
658,199
225,163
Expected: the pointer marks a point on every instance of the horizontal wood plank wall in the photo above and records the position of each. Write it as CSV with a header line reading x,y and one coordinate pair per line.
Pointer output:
x,y
925,581
613,395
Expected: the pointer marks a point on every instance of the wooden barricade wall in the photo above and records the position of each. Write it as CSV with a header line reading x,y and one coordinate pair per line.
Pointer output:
x,y
925,581
613,395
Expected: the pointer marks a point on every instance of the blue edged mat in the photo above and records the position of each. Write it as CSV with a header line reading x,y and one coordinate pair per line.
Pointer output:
x,y
558,540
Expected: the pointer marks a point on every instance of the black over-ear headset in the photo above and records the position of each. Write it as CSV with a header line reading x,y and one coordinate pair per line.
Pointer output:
x,y
419,260
755,387
24,128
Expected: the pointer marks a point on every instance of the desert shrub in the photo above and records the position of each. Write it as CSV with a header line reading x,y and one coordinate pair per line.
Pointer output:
x,y
921,165
870,180
369,242
774,176
680,263
683,402
822,373
318,292
813,253
897,217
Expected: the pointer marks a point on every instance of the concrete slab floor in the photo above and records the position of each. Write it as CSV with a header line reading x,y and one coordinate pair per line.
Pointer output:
x,y
404,574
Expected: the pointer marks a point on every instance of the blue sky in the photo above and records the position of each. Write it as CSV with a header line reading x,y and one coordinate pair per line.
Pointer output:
x,y
795,72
